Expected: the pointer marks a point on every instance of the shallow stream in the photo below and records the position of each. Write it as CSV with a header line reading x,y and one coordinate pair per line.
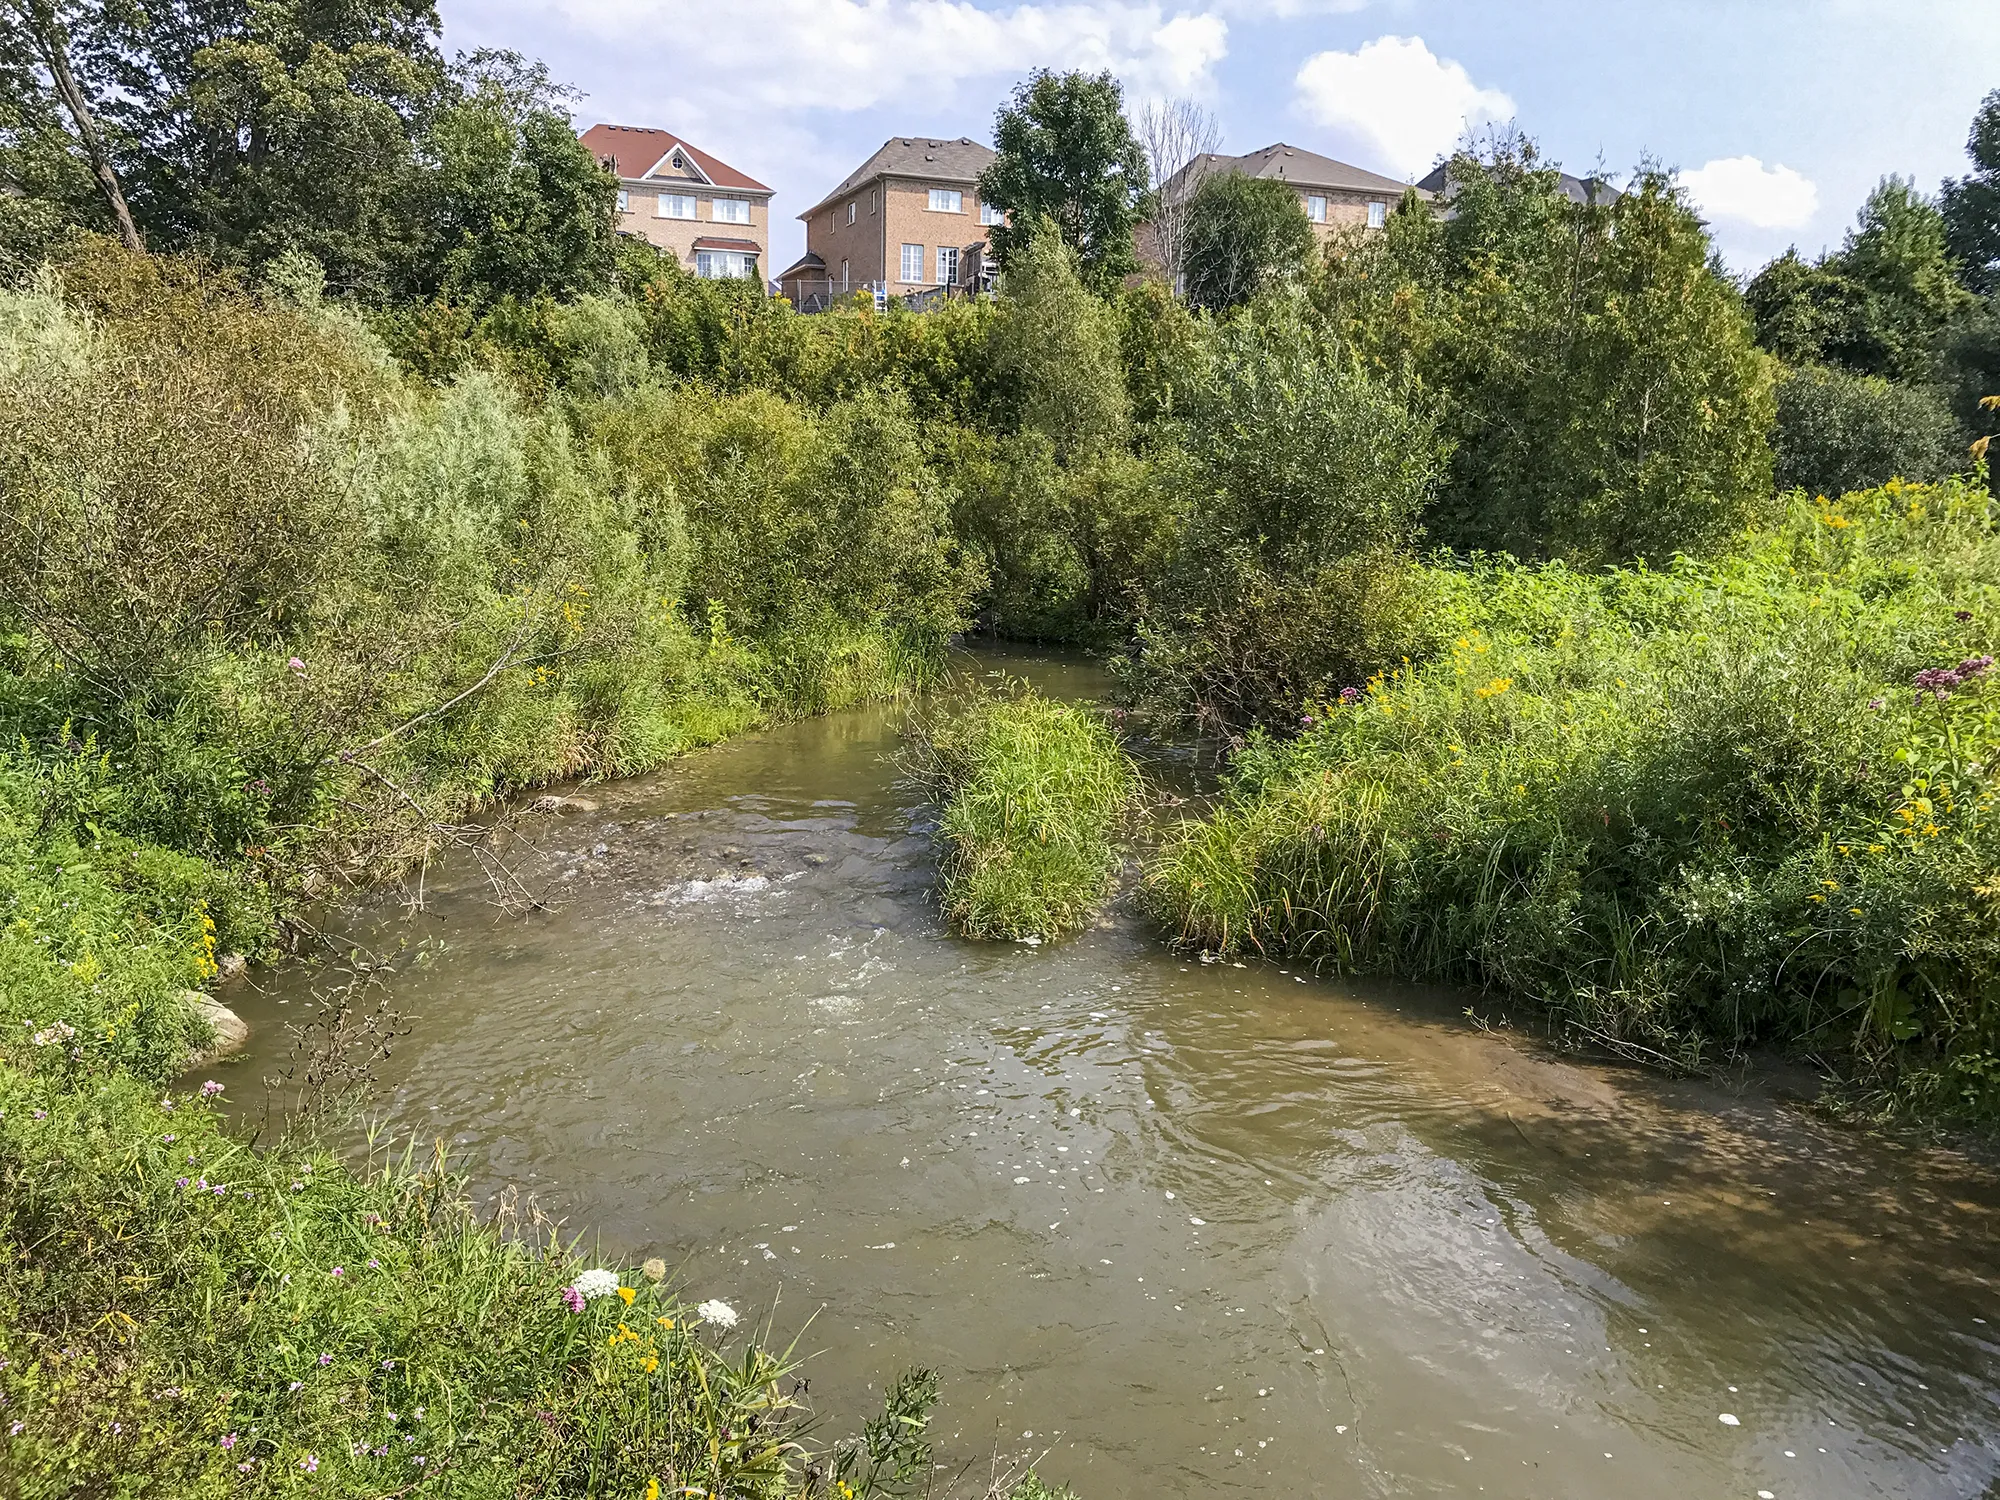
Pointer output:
x,y
1191,1228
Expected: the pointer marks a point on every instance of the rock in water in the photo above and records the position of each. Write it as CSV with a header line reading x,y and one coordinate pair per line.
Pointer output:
x,y
231,1030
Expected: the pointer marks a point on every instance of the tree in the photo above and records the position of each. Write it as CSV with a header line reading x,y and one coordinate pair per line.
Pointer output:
x,y
37,43
510,203
1971,204
1056,351
1244,234
1838,431
1808,312
1897,253
1176,136
1066,153
1597,377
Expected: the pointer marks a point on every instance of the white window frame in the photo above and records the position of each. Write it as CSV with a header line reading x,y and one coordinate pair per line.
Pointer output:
x,y
851,208
1378,214
679,201
992,213
725,265
946,201
1316,207
913,257
624,201
874,194
947,256
717,205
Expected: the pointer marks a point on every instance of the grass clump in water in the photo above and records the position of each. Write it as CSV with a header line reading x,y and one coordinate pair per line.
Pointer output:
x,y
1030,792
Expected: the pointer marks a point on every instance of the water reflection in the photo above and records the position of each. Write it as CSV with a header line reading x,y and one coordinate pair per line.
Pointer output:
x,y
1200,1227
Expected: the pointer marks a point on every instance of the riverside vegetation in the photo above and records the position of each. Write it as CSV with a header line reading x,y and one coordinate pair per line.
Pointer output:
x,y
322,529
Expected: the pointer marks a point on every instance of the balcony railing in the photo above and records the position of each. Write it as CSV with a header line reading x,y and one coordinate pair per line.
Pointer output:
x,y
818,293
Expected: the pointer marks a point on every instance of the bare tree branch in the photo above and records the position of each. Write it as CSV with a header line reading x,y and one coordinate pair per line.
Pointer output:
x,y
1176,134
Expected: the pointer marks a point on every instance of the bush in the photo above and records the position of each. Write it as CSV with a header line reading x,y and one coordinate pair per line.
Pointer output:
x,y
1708,807
1029,793
1839,432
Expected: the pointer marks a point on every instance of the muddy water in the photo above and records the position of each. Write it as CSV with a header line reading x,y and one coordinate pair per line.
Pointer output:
x,y
1190,1228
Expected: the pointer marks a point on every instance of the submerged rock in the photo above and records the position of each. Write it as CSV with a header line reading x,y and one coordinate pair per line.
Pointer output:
x,y
562,805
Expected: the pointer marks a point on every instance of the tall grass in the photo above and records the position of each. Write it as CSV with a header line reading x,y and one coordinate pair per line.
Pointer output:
x,y
1687,811
1030,795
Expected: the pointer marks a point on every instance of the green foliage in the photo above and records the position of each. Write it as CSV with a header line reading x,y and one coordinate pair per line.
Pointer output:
x,y
1710,806
1030,793
1307,476
1839,431
1067,153
1595,375
183,1315
1244,235
1971,204
1056,353
1810,312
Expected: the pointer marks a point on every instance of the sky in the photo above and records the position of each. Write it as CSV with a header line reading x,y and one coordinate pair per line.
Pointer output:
x,y
1780,115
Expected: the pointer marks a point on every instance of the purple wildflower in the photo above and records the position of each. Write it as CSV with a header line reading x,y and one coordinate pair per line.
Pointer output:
x,y
381,1452
419,1459
310,1463
41,1114
180,1182
338,1271
326,1359
298,1187
295,1385
296,665
15,1429
1350,695
210,1089
229,1441
168,1140
1878,704
244,1467
572,1299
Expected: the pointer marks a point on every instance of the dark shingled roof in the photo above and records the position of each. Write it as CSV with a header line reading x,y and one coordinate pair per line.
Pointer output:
x,y
1576,189
957,162
1298,168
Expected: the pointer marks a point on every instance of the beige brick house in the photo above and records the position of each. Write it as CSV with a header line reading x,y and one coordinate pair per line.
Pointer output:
x,y
906,221
1334,195
713,219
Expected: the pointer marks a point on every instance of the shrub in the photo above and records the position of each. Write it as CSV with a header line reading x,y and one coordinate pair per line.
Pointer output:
x,y
1838,432
1029,793
1713,806
1245,235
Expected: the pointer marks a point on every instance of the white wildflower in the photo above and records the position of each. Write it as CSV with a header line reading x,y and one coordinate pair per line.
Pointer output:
x,y
593,1284
721,1314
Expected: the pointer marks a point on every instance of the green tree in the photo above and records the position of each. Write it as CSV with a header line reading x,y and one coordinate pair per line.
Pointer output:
x,y
1897,253
1971,204
51,116
1598,378
1838,432
1067,153
509,202
1808,312
1056,351
1243,235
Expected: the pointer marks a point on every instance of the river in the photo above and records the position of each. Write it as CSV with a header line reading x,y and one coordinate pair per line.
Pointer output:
x,y
1179,1228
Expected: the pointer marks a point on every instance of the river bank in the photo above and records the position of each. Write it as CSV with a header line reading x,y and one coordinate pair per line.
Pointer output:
x,y
742,1041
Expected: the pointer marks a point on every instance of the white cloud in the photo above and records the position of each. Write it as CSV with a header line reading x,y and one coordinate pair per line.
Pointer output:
x,y
853,55
1745,191
1396,96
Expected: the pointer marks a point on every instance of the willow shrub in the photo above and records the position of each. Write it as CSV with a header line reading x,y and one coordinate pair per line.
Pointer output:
x,y
1723,804
1030,795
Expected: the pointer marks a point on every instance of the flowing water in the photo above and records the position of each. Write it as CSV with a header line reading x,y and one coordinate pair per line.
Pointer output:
x,y
1190,1228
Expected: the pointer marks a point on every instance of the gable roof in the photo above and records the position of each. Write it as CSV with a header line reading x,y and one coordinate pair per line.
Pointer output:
x,y
1576,189
958,161
637,153
1297,167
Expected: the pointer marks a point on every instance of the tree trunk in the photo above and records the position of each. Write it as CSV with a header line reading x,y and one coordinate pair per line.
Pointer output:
x,y
51,39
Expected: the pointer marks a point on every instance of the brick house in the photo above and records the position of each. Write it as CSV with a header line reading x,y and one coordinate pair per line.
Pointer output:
x,y
1334,195
713,219
906,222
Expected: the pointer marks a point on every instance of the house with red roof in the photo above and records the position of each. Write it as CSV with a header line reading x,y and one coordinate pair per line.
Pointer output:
x,y
713,219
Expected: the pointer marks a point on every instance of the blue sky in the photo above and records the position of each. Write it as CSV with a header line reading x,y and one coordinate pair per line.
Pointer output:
x,y
1781,114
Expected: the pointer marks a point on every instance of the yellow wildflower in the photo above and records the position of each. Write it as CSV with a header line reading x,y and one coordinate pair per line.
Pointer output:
x,y
626,1294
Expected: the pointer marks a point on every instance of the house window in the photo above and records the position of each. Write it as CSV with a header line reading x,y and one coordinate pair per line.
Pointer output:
x,y
871,199
991,213
947,265
675,206
947,201
913,263
1378,215
850,211
624,201
843,275
730,210
724,265
1316,209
